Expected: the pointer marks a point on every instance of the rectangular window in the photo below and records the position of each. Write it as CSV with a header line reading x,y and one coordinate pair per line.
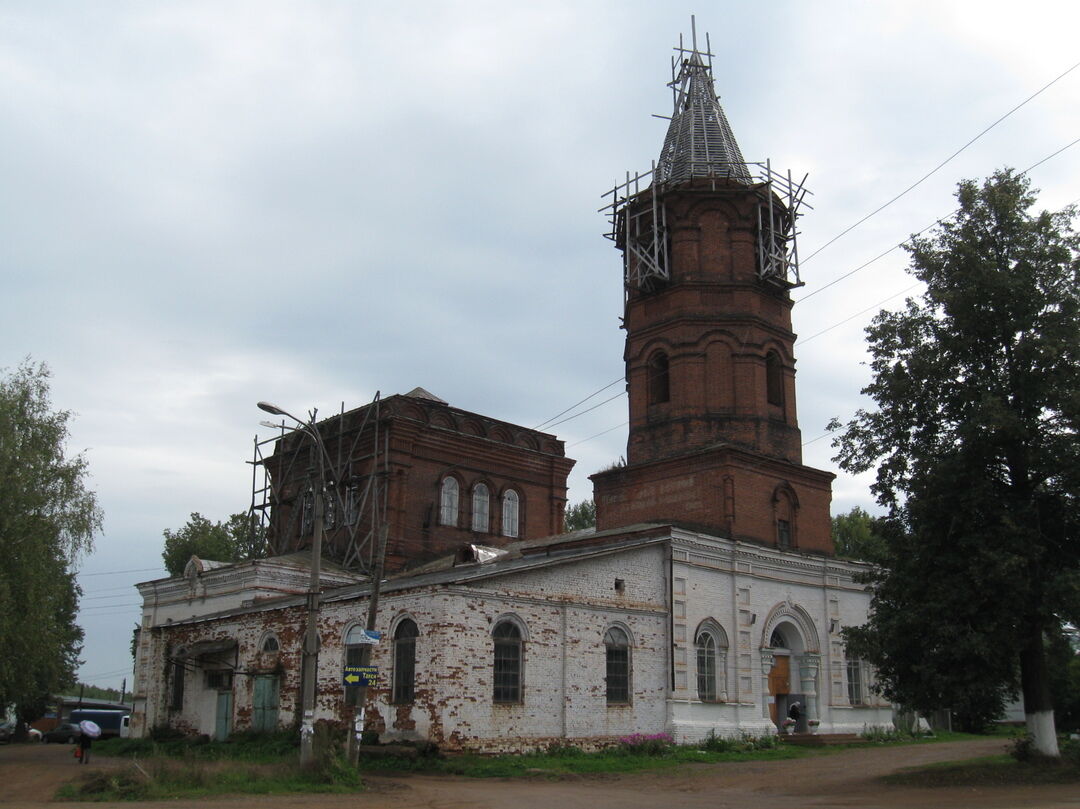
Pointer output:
x,y
219,680
855,685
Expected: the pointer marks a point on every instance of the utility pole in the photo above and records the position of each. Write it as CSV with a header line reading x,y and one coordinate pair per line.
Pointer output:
x,y
310,667
365,653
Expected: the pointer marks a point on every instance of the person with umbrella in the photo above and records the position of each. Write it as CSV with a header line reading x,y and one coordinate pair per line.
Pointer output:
x,y
89,732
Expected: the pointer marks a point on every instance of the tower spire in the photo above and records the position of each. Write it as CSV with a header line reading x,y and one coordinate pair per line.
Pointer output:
x,y
699,141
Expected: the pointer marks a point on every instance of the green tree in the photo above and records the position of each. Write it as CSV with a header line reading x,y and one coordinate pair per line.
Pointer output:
x,y
974,438
48,520
855,536
581,515
248,536
238,538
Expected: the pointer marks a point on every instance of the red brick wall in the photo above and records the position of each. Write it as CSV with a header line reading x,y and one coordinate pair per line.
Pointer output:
x,y
718,454
424,441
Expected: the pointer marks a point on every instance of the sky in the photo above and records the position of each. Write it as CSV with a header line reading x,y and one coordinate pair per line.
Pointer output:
x,y
208,204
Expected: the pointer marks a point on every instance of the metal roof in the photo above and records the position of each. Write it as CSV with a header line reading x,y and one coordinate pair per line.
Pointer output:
x,y
699,141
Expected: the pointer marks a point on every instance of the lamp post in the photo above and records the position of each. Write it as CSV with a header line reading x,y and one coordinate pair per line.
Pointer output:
x,y
311,635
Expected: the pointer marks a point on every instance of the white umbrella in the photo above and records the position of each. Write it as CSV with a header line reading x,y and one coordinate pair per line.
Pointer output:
x,y
91,729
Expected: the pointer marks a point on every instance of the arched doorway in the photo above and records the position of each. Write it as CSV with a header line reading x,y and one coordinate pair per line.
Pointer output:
x,y
784,678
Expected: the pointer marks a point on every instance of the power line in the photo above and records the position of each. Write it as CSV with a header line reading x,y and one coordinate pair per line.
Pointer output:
x,y
858,314
950,215
591,437
590,409
118,572
943,163
594,393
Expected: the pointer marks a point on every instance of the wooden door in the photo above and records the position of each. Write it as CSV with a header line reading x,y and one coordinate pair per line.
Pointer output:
x,y
779,683
265,707
223,720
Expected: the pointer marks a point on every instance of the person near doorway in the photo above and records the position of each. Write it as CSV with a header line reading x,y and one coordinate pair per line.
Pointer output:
x,y
795,711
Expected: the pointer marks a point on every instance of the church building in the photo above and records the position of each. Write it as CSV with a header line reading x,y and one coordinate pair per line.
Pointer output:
x,y
706,600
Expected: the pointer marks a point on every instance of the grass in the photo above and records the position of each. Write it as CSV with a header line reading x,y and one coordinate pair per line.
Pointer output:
x,y
1021,766
245,764
165,779
989,771
267,764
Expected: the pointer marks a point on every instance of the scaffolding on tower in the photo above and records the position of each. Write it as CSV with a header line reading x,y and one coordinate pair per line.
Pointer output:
x,y
700,148
284,479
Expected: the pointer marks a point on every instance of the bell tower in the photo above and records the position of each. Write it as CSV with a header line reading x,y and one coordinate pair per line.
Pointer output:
x,y
709,258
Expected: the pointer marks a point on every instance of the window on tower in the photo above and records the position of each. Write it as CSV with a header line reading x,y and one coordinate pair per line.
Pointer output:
x,y
659,379
774,379
783,534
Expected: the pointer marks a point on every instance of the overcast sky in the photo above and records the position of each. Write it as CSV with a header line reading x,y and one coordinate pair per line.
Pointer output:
x,y
207,204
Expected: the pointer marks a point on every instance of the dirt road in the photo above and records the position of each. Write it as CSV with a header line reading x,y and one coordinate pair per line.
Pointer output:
x,y
29,774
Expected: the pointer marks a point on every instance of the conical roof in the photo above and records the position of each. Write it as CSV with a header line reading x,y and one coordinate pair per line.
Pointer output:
x,y
699,140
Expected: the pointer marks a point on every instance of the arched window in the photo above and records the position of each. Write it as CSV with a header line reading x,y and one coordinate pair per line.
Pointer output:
x,y
506,674
774,379
481,508
617,649
405,661
777,640
659,385
448,501
510,512
711,646
270,644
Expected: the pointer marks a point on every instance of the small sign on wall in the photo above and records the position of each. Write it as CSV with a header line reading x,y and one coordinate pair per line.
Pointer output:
x,y
360,675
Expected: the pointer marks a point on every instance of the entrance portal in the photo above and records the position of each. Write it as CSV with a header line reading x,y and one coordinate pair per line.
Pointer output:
x,y
779,688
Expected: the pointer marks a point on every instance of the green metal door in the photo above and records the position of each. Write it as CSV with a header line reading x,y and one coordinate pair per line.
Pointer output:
x,y
265,707
224,715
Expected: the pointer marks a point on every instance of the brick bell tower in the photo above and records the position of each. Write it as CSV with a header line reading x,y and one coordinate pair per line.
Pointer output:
x,y
709,259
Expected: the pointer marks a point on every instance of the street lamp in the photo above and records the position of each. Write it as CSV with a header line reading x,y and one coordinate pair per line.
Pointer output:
x,y
311,636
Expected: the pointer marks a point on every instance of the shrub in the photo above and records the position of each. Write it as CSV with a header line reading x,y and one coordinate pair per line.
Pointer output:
x,y
654,744
743,743
165,733
881,735
1023,748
